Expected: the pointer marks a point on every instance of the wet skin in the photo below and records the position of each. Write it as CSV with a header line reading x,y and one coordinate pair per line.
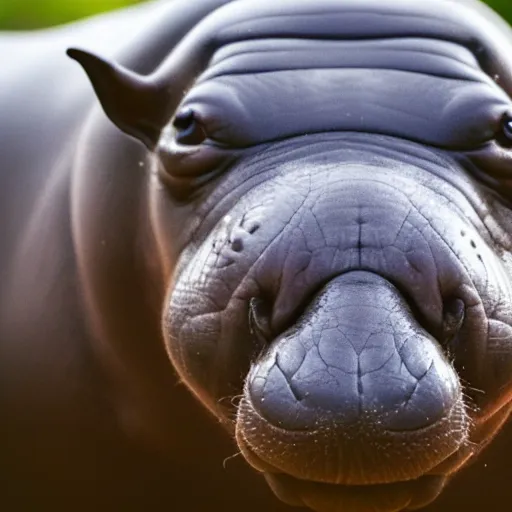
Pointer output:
x,y
303,210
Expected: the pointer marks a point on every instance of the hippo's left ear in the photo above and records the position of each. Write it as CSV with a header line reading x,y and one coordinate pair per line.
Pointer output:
x,y
134,103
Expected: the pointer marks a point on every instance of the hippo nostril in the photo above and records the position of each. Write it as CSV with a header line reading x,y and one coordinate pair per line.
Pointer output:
x,y
259,320
453,317
237,245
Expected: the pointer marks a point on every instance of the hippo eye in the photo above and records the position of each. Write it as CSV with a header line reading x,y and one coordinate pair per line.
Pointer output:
x,y
189,130
507,128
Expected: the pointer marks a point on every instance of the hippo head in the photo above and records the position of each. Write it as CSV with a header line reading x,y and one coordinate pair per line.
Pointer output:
x,y
340,295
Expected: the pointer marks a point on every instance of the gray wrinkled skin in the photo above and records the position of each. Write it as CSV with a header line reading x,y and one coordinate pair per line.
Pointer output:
x,y
361,280
358,374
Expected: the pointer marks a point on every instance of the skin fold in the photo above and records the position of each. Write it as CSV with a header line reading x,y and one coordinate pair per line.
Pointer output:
x,y
279,230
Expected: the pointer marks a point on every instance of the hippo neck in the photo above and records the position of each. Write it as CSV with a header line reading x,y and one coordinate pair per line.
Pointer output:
x,y
119,273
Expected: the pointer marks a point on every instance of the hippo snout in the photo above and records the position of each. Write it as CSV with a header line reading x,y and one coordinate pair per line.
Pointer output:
x,y
356,379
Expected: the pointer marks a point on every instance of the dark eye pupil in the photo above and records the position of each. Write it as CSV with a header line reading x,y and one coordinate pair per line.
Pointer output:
x,y
507,128
184,119
189,129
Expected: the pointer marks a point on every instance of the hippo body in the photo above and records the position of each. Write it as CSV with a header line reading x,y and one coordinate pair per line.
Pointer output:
x,y
285,224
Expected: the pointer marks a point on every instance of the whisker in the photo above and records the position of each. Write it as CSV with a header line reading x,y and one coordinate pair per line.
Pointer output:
x,y
230,458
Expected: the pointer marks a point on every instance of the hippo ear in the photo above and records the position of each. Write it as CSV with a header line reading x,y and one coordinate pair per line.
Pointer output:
x,y
134,103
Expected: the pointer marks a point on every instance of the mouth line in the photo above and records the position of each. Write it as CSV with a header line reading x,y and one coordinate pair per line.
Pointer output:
x,y
349,487
394,497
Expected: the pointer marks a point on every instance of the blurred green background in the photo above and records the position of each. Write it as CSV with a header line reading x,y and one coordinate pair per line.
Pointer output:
x,y
24,14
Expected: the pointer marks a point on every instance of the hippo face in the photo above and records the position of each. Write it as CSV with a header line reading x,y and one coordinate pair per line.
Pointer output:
x,y
341,291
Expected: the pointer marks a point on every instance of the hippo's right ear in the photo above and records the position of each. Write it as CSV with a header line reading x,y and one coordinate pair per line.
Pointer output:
x,y
134,103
